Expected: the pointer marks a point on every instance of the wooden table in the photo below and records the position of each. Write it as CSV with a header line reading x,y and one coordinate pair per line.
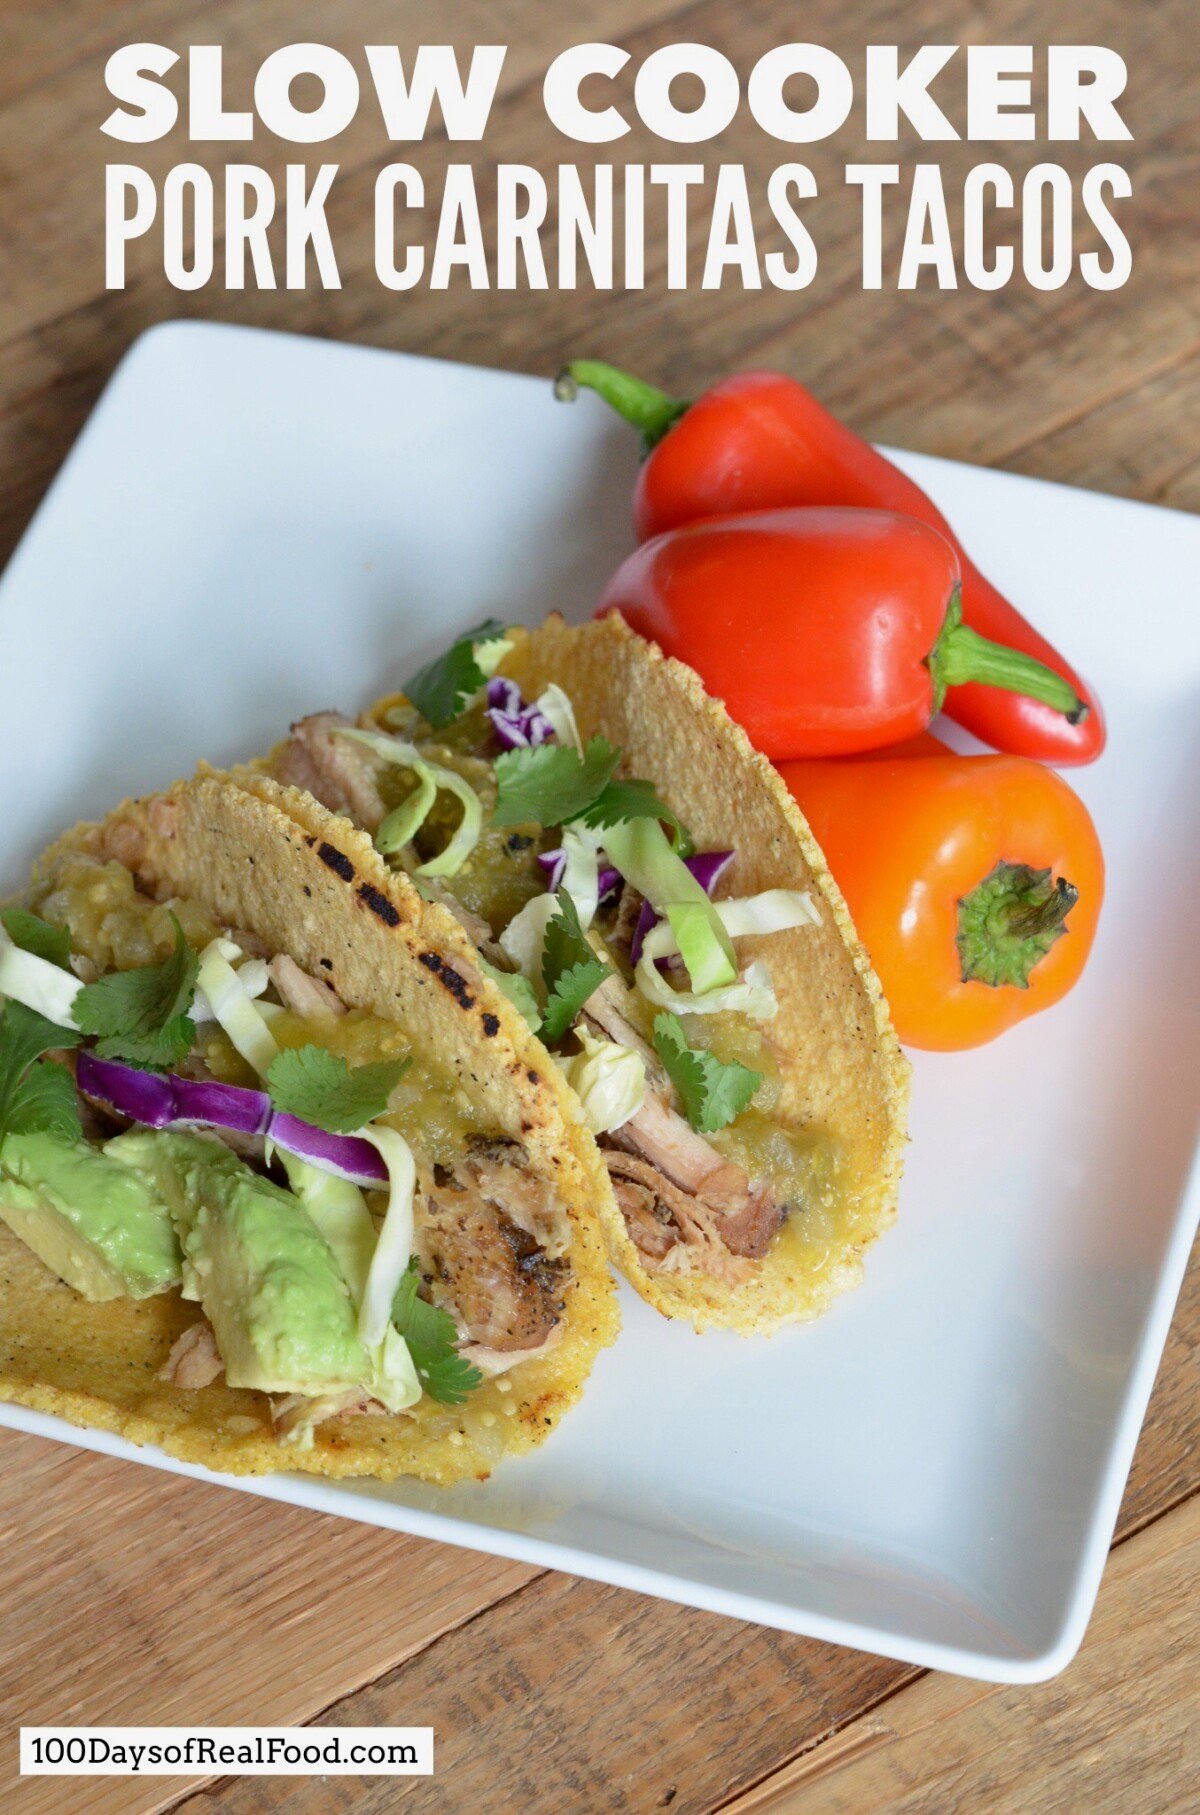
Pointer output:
x,y
134,1597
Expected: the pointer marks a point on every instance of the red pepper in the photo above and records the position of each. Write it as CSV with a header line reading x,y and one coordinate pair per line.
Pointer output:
x,y
760,441
825,632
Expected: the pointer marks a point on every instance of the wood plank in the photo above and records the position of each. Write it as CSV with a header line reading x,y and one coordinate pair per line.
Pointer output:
x,y
52,127
34,48
1116,1732
576,1696
964,373
134,1597
1166,1464
1098,389
634,1699
1144,443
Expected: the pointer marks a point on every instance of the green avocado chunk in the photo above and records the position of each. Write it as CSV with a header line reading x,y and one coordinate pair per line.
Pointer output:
x,y
268,1282
102,1228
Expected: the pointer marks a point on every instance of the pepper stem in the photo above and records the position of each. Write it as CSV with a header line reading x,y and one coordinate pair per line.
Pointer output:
x,y
961,654
650,411
1008,923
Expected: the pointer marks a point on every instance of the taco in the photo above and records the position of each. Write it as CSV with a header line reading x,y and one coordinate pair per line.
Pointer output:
x,y
284,1182
636,878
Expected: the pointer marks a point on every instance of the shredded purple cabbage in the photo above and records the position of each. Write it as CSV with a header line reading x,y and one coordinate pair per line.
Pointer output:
x,y
165,1100
518,726
555,862
707,867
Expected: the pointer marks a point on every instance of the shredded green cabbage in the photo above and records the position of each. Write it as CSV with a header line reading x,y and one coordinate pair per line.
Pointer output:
x,y
772,911
554,705
404,824
581,871
489,652
37,984
394,1246
524,938
642,852
339,1211
608,1079
233,1007
405,821
753,994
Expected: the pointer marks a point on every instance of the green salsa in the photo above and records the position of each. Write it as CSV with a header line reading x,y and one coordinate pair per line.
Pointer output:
x,y
502,873
429,1108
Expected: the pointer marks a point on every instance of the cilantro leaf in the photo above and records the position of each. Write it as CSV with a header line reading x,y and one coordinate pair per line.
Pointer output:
x,y
35,935
45,1102
551,783
441,689
32,1100
571,969
142,1016
712,1093
621,801
320,1087
432,1339
25,1036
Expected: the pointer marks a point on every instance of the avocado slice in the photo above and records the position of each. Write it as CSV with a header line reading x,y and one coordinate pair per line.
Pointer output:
x,y
268,1281
101,1227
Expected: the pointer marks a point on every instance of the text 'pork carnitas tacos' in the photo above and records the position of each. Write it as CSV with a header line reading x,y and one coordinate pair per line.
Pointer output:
x,y
636,879
283,1182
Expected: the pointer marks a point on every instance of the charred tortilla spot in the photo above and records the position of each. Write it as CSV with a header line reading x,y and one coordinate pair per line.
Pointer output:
x,y
336,861
379,904
448,977
491,1025
327,964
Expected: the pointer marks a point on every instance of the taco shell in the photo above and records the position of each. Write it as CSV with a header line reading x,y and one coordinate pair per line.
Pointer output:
x,y
271,861
843,1074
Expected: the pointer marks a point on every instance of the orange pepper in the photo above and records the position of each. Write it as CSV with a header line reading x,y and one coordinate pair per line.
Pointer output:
x,y
975,882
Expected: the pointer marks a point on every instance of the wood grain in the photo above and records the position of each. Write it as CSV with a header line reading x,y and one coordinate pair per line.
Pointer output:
x,y
1144,443
142,1598
132,1595
1117,1732
653,1702
576,1696
963,373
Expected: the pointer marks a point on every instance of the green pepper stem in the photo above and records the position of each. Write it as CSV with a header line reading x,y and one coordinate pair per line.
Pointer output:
x,y
961,655
650,411
1008,923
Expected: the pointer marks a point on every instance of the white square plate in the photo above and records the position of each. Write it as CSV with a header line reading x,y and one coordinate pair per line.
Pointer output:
x,y
254,525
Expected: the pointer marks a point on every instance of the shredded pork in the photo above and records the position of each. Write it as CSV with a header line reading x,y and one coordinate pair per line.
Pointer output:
x,y
671,1229
195,1360
495,1274
685,1205
303,994
338,773
686,1170
629,909
295,1415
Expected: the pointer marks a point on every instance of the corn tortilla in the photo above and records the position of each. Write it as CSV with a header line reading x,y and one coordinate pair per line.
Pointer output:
x,y
272,861
841,1064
